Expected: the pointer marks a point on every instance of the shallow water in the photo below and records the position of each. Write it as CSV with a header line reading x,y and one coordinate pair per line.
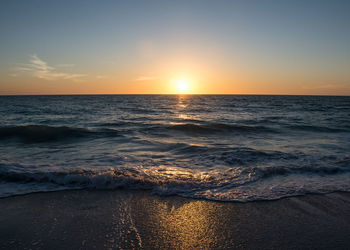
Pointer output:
x,y
232,148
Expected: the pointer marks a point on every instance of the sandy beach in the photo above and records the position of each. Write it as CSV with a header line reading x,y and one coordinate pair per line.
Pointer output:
x,y
137,219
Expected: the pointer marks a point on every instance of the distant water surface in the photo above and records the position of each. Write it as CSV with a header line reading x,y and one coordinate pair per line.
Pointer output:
x,y
228,148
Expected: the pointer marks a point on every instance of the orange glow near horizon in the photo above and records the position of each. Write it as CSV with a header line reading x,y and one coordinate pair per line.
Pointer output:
x,y
194,73
182,80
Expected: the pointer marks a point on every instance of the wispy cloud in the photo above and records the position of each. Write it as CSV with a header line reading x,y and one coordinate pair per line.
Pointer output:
x,y
146,78
40,69
102,76
65,65
325,86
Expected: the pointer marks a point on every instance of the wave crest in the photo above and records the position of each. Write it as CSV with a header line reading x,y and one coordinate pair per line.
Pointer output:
x,y
230,184
44,133
219,127
41,133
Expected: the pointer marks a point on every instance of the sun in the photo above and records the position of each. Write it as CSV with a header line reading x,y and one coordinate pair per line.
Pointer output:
x,y
182,86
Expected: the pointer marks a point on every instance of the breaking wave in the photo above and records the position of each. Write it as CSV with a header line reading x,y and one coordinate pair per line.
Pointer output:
x,y
230,184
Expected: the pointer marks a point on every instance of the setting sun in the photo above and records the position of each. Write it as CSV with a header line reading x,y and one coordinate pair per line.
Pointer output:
x,y
182,86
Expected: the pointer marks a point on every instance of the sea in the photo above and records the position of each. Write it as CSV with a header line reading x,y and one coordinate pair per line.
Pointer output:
x,y
216,147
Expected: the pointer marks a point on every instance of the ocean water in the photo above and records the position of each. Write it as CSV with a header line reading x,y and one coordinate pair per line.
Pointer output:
x,y
217,147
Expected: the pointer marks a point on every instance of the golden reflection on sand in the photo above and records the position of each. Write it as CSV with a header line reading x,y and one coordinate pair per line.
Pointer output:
x,y
188,226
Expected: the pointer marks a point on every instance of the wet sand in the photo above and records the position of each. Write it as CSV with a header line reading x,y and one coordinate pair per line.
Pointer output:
x,y
137,219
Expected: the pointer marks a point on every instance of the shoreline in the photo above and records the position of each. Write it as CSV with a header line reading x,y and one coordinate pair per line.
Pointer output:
x,y
175,195
88,219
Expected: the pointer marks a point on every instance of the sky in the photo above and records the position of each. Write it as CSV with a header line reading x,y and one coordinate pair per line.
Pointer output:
x,y
148,47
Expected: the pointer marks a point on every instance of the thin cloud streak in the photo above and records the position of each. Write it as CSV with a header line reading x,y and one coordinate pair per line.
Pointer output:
x,y
65,65
146,78
326,86
102,77
40,69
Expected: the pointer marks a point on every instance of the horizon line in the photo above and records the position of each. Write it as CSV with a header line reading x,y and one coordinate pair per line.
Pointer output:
x,y
3,95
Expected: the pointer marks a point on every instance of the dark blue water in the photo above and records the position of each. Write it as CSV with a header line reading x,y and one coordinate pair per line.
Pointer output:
x,y
232,148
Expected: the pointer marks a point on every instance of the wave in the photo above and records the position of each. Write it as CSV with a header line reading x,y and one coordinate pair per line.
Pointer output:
x,y
164,180
233,156
44,133
319,129
106,179
219,127
41,133
285,170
